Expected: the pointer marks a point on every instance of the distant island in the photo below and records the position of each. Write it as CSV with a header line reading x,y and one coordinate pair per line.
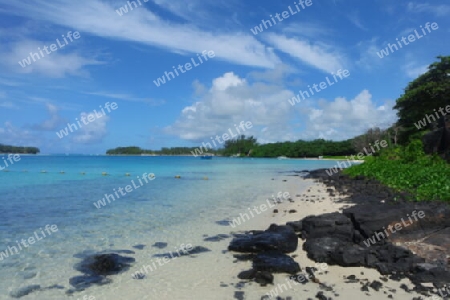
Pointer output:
x,y
18,149
248,146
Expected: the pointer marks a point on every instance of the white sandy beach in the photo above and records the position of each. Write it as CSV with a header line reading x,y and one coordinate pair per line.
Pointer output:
x,y
213,275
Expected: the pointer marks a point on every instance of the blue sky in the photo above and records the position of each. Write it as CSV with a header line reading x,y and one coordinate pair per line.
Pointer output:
x,y
250,78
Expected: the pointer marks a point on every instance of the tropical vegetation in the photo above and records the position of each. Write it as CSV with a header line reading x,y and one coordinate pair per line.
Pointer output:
x,y
20,150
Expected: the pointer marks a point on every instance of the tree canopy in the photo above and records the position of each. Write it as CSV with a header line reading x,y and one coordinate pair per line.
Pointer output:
x,y
20,150
429,92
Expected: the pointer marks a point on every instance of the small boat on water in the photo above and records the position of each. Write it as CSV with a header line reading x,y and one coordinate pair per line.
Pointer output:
x,y
206,156
282,157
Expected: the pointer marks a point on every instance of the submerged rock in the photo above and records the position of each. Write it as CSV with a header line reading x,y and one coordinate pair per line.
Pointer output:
x,y
96,267
104,264
23,291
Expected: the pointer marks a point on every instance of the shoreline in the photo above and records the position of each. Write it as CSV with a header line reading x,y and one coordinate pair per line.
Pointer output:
x,y
213,273
335,280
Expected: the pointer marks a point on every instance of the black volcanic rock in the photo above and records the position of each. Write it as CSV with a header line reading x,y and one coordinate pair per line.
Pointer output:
x,y
362,235
281,238
275,262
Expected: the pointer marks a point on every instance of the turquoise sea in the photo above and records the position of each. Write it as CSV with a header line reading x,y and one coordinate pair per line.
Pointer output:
x,y
61,190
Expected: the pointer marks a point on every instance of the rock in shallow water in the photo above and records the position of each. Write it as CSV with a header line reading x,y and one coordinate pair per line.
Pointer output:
x,y
104,264
23,291
96,266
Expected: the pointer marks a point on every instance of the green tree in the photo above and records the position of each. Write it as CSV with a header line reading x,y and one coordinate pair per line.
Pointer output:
x,y
429,92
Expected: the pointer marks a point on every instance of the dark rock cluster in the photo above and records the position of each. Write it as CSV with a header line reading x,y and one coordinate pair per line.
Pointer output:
x,y
267,249
396,237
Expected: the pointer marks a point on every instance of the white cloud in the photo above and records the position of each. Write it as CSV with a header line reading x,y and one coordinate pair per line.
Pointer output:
x,y
342,119
437,10
143,26
56,64
308,29
53,123
7,104
413,70
229,101
11,135
93,132
126,97
232,99
319,55
356,20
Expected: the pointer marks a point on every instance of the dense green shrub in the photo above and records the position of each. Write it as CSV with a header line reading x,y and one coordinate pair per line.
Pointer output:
x,y
409,169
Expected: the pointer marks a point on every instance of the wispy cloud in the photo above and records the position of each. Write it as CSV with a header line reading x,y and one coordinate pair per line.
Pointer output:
x,y
319,55
414,70
7,104
308,29
356,20
53,122
143,26
57,64
126,97
437,10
